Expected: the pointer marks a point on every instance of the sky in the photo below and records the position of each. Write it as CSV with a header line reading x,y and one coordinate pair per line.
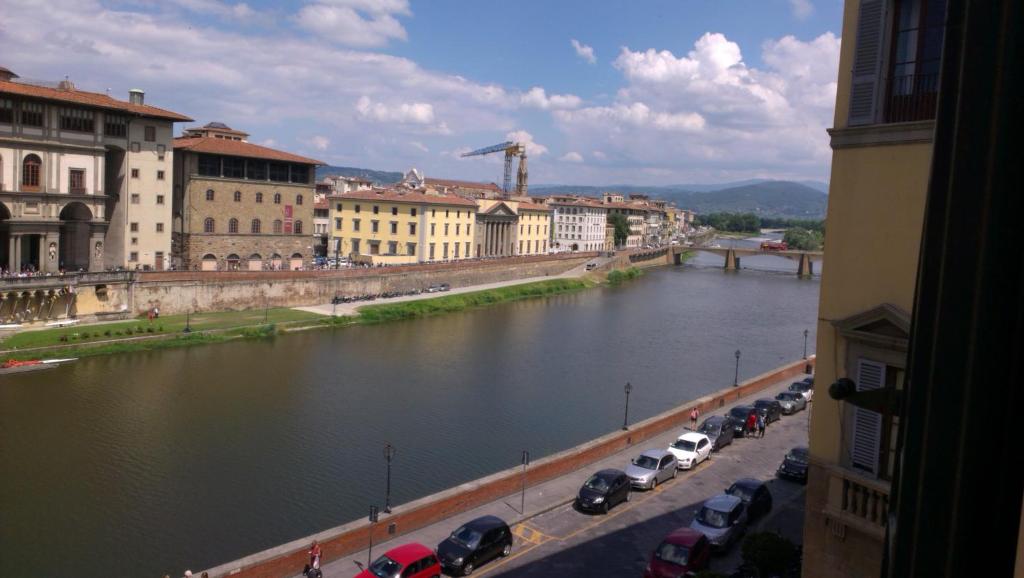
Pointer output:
x,y
602,92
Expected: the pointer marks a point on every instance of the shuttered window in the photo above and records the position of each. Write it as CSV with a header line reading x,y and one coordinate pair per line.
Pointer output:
x,y
867,425
867,62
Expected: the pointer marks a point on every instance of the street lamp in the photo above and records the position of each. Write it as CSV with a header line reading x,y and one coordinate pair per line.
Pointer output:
x,y
625,418
389,453
188,322
736,379
805,343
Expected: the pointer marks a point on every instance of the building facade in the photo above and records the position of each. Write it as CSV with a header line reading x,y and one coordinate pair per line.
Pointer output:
x,y
240,206
534,228
85,179
882,148
578,223
507,228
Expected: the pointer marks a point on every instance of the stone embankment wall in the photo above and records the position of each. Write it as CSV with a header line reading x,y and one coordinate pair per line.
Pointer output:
x,y
337,542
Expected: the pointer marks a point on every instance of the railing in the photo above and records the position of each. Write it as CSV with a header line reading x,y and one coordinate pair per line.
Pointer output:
x,y
49,280
911,97
858,501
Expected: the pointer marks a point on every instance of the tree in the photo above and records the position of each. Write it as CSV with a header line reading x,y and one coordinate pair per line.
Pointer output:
x,y
618,220
803,239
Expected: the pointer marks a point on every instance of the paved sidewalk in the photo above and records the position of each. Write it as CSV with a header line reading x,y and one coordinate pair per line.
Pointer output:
x,y
552,539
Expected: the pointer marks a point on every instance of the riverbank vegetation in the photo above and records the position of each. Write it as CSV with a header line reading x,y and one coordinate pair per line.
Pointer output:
x,y
804,239
617,277
751,223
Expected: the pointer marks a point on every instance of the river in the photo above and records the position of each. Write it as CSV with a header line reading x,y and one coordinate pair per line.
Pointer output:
x,y
147,463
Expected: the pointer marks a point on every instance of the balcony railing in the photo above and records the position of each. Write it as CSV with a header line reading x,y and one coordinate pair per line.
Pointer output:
x,y
858,501
911,97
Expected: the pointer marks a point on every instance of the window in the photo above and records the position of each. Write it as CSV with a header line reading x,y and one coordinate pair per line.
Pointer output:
x,y
444,250
394,227
238,196
277,226
256,226
133,227
30,172
433,226
233,225
160,175
135,240
298,199
431,257
279,172
355,246
300,174
259,197
298,227
159,227
233,168
150,135
376,209
357,208
394,210
374,226
209,194
355,224
256,170
77,120
412,211
410,249
918,30
446,229
135,173
161,150
76,180
133,256
412,228
209,166
392,248
337,207
456,250
31,114
114,125
159,199
6,111
208,225
337,223
135,198
277,198
458,226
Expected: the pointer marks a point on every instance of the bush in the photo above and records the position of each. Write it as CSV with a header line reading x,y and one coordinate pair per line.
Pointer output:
x,y
118,333
64,338
160,328
107,333
615,277
149,330
769,552
128,331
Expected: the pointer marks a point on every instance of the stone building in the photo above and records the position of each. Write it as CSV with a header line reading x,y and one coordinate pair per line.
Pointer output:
x,y
506,228
579,223
85,179
238,205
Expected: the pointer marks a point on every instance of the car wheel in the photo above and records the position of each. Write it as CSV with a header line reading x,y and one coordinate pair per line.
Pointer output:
x,y
674,472
604,508
467,569
506,550
629,496
654,483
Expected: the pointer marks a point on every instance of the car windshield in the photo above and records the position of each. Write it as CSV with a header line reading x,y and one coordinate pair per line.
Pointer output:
x,y
685,445
385,567
762,404
708,427
646,462
467,537
597,483
797,456
742,492
713,518
740,412
785,397
673,554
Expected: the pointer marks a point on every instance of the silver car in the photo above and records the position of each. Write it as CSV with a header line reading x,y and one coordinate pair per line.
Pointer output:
x,y
791,401
651,468
723,519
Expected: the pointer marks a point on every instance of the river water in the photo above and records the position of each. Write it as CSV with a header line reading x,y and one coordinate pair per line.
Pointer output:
x,y
147,463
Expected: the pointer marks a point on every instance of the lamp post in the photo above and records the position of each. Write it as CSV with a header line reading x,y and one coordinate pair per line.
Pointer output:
x,y
805,342
736,378
625,418
188,322
522,499
389,453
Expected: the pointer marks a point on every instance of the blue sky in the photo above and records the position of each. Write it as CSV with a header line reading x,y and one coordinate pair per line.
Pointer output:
x,y
603,92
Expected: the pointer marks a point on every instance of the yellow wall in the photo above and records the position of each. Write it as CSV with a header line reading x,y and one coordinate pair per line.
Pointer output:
x,y
435,224
534,232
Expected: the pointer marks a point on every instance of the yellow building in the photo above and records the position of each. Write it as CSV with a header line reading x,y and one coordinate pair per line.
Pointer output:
x,y
882,144
507,227
534,229
383,226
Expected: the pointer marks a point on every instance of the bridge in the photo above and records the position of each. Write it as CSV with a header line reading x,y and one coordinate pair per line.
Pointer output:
x,y
732,257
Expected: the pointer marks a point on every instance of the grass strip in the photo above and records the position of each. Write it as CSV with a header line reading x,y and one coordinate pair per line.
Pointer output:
x,y
617,276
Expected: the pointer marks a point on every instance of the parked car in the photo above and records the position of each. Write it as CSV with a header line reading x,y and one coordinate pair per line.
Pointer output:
x,y
406,561
739,414
591,266
475,543
720,429
690,449
684,550
794,465
603,490
438,288
755,496
770,409
723,519
803,387
791,401
651,468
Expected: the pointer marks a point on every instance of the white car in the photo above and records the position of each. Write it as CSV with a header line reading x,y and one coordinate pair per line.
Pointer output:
x,y
691,449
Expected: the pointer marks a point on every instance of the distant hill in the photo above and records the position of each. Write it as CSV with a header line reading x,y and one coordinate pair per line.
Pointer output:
x,y
763,197
378,177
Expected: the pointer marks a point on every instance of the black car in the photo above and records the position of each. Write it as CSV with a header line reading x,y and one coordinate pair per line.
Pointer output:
x,y
739,415
770,409
755,496
794,465
474,544
603,490
720,429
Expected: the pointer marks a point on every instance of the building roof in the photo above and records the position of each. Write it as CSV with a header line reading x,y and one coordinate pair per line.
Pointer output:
x,y
462,184
524,206
321,204
398,196
237,148
85,98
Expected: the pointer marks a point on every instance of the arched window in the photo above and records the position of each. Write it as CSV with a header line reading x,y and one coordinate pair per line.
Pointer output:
x,y
277,226
256,226
208,225
30,172
238,196
233,225
259,197
209,194
298,227
298,199
277,198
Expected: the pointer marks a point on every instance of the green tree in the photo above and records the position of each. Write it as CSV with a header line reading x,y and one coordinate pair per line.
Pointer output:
x,y
803,239
618,220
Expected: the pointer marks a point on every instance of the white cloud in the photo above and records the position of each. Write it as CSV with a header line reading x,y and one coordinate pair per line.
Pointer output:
x,y
405,112
533,149
572,157
599,155
583,51
419,146
537,97
802,9
355,22
268,142
319,142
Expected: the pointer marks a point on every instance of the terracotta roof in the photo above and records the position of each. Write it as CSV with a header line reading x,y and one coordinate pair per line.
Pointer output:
x,y
533,207
414,197
321,204
85,98
463,184
237,148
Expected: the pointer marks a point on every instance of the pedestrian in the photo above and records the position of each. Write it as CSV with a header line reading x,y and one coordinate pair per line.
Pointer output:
x,y
188,574
694,414
760,425
752,424
314,556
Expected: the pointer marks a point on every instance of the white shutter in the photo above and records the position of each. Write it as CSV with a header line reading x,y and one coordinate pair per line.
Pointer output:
x,y
867,424
867,62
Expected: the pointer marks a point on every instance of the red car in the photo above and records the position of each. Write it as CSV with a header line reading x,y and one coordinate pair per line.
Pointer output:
x,y
406,561
684,550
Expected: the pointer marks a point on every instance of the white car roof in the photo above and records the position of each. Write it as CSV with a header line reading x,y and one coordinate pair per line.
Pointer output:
x,y
692,436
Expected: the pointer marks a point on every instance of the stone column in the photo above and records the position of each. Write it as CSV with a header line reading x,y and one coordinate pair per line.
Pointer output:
x,y
96,251
12,258
16,253
51,258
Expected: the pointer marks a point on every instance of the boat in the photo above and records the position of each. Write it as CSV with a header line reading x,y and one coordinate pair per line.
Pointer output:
x,y
24,365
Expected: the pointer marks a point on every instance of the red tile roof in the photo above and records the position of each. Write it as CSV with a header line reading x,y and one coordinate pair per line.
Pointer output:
x,y
93,99
237,148
524,206
462,184
396,196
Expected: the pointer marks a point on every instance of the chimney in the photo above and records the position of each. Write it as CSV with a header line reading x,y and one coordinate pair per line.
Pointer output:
x,y
136,96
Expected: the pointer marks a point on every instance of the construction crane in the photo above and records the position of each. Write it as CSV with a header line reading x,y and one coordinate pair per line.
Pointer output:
x,y
512,150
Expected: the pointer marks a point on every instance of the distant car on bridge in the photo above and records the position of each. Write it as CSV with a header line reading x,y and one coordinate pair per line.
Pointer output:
x,y
774,246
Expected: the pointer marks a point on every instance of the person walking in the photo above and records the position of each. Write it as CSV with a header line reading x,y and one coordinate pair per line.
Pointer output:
x,y
752,425
694,414
314,559
760,425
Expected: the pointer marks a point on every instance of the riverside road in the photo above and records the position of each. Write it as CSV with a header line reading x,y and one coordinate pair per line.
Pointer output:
x,y
554,539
